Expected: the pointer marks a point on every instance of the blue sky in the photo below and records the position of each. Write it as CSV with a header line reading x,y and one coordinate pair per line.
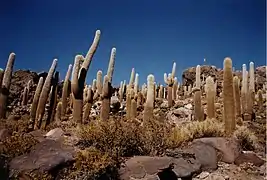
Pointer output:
x,y
149,35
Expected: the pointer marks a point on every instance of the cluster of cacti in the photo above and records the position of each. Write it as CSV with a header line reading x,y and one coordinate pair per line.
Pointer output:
x,y
82,97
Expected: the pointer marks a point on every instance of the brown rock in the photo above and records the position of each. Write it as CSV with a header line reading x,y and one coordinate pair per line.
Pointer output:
x,y
249,158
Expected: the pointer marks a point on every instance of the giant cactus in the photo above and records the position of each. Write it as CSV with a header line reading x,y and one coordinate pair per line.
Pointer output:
x,y
107,88
228,97
79,76
169,80
237,97
65,92
209,88
251,89
35,102
149,104
6,82
44,95
244,89
88,103
198,110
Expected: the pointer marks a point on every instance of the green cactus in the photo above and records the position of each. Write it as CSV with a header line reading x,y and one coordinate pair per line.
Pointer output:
x,y
44,95
65,91
79,76
6,82
228,97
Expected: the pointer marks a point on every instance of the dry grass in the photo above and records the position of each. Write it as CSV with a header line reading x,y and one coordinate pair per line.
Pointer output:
x,y
196,129
247,138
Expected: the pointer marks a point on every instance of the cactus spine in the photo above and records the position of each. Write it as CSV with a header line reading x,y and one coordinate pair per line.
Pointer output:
x,y
6,82
149,105
44,95
65,92
169,80
228,97
79,76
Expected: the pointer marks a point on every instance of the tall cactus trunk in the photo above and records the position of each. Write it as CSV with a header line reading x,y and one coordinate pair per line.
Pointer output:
x,y
228,97
6,82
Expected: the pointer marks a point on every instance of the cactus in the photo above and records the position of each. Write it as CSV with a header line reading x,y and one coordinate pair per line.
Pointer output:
x,y
228,97
35,102
52,101
65,91
79,76
129,93
1,77
6,82
198,110
149,104
59,111
169,80
44,95
88,103
237,97
209,88
105,108
251,89
244,89
25,96
161,91
175,87
133,109
111,64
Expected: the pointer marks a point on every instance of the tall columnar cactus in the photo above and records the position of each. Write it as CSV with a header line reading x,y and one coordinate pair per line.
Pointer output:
x,y
134,97
209,88
105,108
228,97
79,76
65,91
244,90
251,89
107,88
35,102
6,82
44,95
25,96
169,80
129,89
149,104
161,91
99,85
236,82
198,110
59,112
88,103
52,101
175,87
1,77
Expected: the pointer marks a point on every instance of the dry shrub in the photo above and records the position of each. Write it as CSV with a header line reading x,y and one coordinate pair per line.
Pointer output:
x,y
247,139
196,129
12,123
122,138
91,163
17,145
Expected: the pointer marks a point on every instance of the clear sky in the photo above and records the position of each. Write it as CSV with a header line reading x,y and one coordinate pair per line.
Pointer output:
x,y
149,34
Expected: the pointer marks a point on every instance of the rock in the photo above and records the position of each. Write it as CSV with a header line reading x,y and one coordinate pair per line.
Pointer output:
x,y
55,134
249,158
206,155
164,104
44,157
182,112
189,106
203,175
229,149
38,135
4,133
215,177
4,170
145,167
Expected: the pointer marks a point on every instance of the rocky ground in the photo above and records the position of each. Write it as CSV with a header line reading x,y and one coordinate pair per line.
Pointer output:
x,y
170,146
